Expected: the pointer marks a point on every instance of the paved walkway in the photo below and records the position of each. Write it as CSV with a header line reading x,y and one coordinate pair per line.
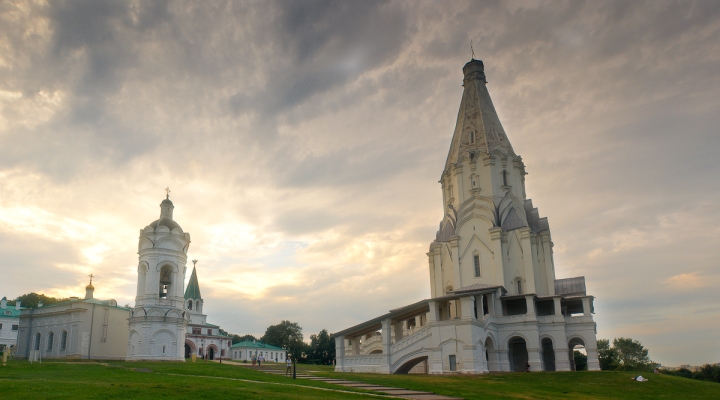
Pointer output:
x,y
392,391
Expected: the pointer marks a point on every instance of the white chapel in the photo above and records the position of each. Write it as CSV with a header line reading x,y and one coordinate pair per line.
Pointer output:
x,y
495,303
167,322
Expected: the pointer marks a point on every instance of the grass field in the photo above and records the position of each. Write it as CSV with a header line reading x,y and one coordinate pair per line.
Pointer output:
x,y
113,380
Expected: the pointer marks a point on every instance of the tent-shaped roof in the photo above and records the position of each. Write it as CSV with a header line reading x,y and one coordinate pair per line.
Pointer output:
x,y
193,288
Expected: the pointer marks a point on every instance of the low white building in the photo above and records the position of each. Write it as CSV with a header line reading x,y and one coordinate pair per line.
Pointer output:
x,y
248,349
495,303
9,324
78,328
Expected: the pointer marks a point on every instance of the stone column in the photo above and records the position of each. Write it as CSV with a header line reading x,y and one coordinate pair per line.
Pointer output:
x,y
467,307
398,327
535,358
527,260
586,306
480,301
530,302
355,345
557,305
386,343
503,359
431,263
593,363
460,184
549,270
562,359
497,303
433,312
455,248
498,273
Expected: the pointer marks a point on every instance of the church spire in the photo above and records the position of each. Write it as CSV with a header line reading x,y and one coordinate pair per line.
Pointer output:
x,y
192,292
478,129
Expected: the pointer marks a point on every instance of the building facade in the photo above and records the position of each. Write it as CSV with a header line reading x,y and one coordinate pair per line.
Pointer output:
x,y
204,340
248,349
9,324
85,328
158,321
495,302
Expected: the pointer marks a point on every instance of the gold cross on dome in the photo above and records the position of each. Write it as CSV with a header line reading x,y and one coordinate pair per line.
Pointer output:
x,y
91,276
167,192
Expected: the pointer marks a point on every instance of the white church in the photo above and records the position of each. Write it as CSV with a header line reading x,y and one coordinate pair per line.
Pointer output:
x,y
495,303
165,324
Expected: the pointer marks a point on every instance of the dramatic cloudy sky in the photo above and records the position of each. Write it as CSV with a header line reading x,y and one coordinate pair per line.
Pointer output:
x,y
303,142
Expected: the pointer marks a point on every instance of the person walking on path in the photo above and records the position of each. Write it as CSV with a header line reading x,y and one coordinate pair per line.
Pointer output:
x,y
254,359
289,365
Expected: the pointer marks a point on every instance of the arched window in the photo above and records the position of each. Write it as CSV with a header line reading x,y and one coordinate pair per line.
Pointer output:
x,y
189,304
51,336
37,341
165,281
63,340
519,286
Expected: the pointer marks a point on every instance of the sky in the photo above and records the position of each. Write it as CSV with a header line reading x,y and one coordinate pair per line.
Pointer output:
x,y
303,142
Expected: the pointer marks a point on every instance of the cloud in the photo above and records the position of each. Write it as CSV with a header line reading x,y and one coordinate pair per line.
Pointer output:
x,y
303,142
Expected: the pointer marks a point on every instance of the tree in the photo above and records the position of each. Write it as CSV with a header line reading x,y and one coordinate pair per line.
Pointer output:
x,y
287,335
606,355
31,300
580,361
322,347
244,338
625,354
631,355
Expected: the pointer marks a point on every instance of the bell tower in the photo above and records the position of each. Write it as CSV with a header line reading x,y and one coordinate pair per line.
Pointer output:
x,y
159,320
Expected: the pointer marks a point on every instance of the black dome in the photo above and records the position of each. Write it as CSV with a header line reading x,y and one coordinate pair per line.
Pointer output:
x,y
166,201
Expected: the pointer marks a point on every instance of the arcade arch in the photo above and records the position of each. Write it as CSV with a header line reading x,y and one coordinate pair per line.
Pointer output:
x,y
517,354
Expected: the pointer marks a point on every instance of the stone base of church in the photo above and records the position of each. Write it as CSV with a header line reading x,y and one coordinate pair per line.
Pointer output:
x,y
470,345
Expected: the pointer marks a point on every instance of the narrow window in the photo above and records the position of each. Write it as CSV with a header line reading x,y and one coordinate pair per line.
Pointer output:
x,y
476,259
37,341
209,331
63,340
504,176
51,336
519,286
190,305
163,351
472,136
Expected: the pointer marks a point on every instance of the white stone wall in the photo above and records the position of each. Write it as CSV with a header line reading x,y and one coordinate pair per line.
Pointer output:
x,y
91,331
8,335
246,354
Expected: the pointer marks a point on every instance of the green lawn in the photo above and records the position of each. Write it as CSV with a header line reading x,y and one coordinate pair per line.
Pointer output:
x,y
548,385
211,380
